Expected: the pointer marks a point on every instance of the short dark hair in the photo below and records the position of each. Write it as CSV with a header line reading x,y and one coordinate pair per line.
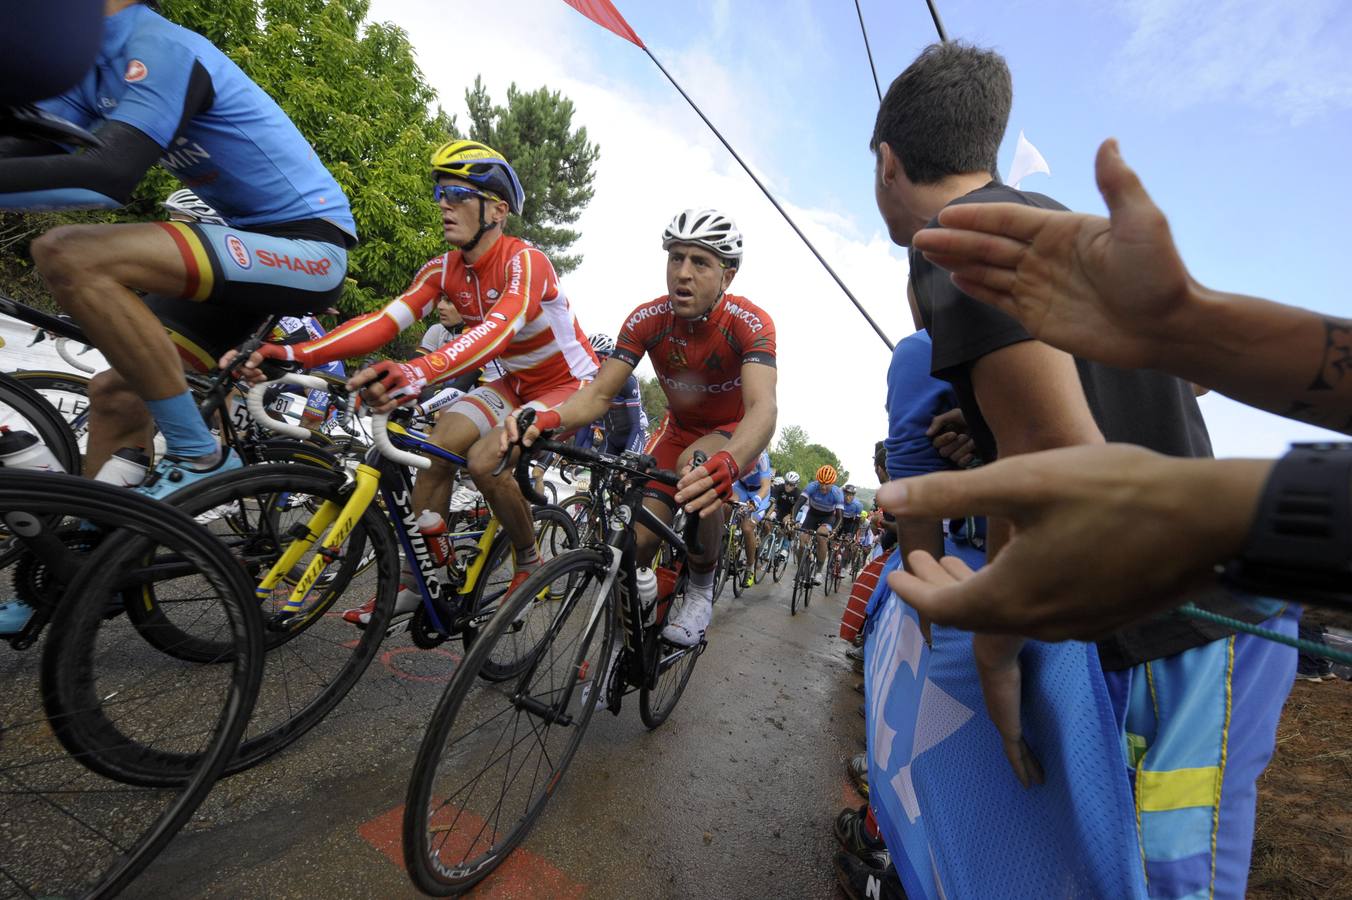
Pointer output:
x,y
947,113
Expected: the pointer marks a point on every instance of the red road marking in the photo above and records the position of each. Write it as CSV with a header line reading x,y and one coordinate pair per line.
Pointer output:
x,y
523,875
387,660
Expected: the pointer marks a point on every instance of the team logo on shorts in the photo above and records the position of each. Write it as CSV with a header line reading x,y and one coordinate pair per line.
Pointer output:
x,y
238,252
136,71
495,401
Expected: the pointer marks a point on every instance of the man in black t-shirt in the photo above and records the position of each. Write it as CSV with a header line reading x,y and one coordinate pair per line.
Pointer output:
x,y
936,138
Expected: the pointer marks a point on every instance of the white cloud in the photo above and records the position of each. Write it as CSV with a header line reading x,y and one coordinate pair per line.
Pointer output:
x,y
1284,57
658,158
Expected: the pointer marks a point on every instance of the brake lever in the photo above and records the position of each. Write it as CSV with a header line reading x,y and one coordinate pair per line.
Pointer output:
x,y
524,419
692,520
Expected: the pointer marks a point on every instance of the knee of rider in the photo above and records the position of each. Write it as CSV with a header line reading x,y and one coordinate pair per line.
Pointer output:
x,y
59,253
109,394
481,463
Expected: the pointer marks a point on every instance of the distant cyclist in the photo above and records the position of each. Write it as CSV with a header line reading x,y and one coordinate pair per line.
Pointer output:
x,y
824,503
161,93
625,424
753,487
785,497
850,515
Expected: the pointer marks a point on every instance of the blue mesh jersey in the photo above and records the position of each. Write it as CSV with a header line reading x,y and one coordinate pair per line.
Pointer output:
x,y
852,510
752,478
824,499
241,154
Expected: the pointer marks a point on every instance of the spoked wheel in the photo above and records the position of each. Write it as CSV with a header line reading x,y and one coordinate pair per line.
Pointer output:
x,y
555,534
108,744
764,557
780,560
737,564
670,669
581,508
494,753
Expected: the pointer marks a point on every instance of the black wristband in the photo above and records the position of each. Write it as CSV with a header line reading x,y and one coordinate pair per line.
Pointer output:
x,y
1300,546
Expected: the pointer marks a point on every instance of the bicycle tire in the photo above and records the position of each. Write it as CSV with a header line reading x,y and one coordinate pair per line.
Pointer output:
x,y
23,407
283,714
88,716
781,558
466,697
811,570
49,382
581,508
736,568
484,600
655,702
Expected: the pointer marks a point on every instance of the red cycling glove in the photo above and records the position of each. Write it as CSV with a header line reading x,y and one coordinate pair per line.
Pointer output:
x,y
403,382
547,420
722,468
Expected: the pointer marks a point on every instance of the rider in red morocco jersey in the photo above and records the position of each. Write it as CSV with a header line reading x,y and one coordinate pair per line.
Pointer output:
x,y
714,354
159,92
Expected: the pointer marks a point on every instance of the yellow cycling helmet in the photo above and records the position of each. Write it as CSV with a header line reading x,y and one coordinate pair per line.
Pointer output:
x,y
826,476
483,166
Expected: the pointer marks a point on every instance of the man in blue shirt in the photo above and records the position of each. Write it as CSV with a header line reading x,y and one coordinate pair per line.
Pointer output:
x,y
159,92
754,488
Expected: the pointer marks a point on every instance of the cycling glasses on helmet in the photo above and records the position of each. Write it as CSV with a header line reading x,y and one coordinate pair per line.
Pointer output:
x,y
454,194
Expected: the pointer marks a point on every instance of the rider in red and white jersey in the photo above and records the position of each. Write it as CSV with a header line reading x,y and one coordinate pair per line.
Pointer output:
x,y
714,354
515,313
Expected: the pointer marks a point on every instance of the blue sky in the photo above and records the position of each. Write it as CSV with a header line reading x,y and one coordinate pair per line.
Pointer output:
x,y
1237,114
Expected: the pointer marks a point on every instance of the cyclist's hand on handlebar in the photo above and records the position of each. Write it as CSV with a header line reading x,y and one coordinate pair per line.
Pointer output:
x,y
545,420
703,488
250,370
387,386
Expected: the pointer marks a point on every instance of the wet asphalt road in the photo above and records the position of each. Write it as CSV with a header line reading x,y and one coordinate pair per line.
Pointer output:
x,y
733,797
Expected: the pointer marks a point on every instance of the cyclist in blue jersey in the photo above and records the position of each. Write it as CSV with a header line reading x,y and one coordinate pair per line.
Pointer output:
x,y
824,503
850,515
159,92
753,487
625,425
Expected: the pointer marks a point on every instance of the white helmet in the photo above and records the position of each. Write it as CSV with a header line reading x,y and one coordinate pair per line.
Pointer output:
x,y
779,480
707,228
603,344
791,478
186,203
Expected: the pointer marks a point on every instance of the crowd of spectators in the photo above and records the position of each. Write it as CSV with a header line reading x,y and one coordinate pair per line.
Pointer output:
x,y
1051,478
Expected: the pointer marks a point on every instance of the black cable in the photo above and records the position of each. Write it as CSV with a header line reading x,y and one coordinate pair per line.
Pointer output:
x,y
938,23
872,68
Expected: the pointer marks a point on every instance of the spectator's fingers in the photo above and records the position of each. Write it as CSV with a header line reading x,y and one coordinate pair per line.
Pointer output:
x,y
946,246
953,494
949,420
1001,300
944,438
1010,220
956,568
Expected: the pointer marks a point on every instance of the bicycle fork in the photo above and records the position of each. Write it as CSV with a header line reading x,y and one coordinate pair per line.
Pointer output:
x,y
367,480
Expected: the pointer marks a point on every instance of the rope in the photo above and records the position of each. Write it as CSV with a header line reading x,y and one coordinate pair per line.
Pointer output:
x,y
1309,648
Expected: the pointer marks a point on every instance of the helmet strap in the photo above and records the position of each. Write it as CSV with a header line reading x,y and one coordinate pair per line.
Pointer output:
x,y
484,227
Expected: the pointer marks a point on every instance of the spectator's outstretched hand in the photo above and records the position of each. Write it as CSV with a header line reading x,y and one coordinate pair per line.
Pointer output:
x,y
1098,288
1101,536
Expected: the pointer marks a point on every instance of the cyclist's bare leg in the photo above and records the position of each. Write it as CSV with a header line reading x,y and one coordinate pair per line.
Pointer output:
x,y
822,532
93,270
432,488
645,541
502,492
750,532
117,418
710,527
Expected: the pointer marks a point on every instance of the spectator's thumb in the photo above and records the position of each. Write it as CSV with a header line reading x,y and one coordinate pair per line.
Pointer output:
x,y
1117,182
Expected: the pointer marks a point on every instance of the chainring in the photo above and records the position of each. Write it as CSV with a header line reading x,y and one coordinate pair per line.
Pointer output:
x,y
35,583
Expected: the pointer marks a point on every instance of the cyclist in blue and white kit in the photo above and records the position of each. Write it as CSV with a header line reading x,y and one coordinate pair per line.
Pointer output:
x,y
851,514
159,92
824,503
625,424
754,487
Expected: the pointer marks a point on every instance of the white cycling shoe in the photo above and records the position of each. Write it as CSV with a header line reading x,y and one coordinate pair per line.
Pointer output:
x,y
687,626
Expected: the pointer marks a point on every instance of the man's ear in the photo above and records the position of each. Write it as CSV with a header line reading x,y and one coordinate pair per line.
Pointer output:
x,y
728,274
500,212
887,164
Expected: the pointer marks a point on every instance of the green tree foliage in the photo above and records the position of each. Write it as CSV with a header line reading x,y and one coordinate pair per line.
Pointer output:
x,y
534,130
795,452
654,400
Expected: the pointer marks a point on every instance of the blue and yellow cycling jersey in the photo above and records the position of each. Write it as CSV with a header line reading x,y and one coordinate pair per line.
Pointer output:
x,y
852,510
824,499
221,134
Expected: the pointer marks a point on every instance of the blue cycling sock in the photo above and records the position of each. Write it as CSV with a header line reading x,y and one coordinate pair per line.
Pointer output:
x,y
185,434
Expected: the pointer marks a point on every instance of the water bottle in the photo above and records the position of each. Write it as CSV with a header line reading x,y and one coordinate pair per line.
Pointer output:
x,y
645,580
125,468
23,450
434,533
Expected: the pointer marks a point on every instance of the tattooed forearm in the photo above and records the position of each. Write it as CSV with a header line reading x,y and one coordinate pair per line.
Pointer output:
x,y
1311,413
1337,359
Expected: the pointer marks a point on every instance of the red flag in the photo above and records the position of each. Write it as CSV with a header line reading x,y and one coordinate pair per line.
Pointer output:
x,y
604,13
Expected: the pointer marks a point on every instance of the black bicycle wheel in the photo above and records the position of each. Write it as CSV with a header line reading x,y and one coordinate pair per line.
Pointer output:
x,y
313,657
721,567
23,409
781,551
736,564
65,392
555,534
494,754
96,702
811,571
669,669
